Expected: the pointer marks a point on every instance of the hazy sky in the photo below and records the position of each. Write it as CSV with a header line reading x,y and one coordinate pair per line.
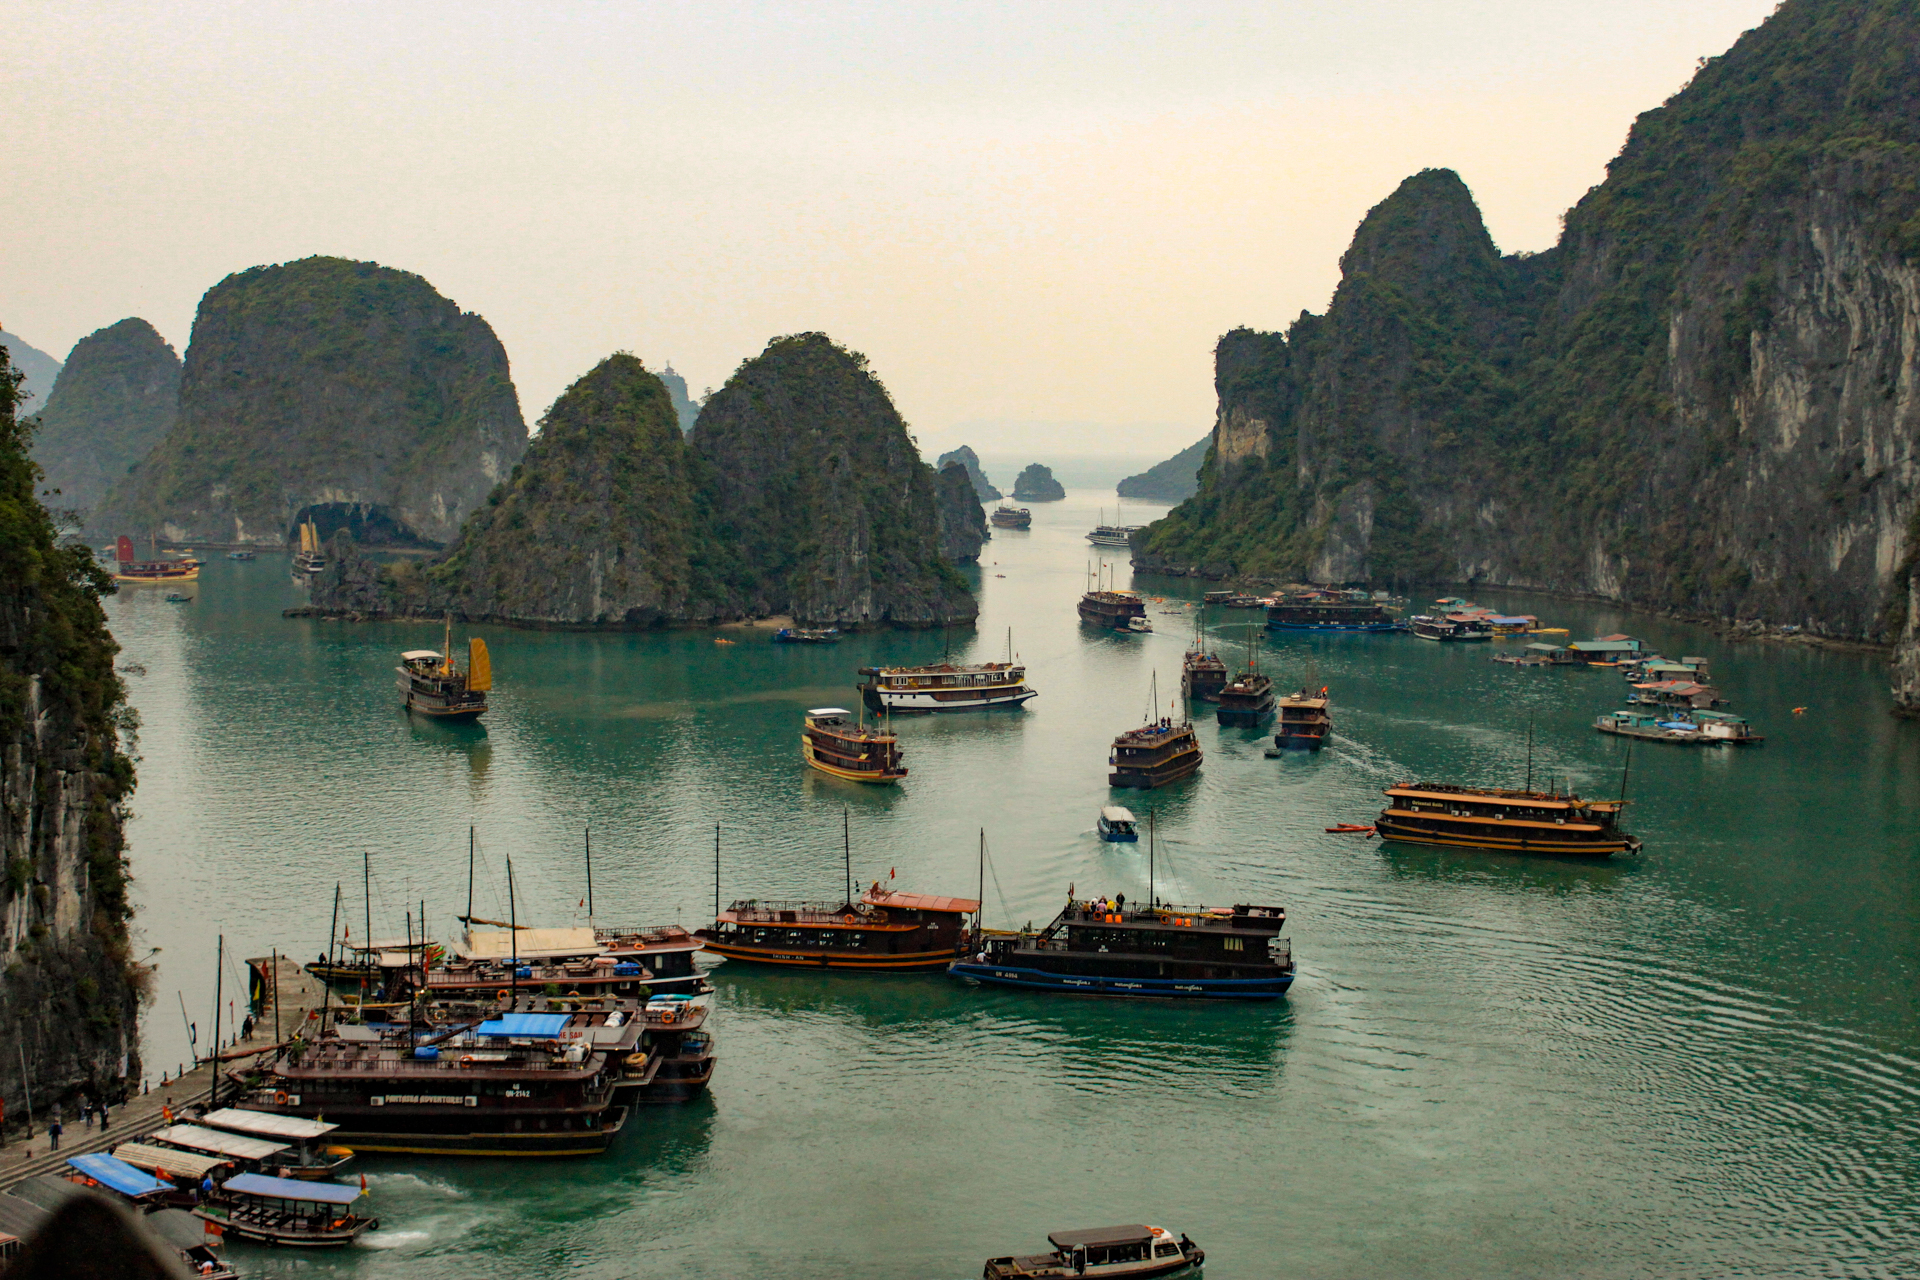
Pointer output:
x,y
1024,213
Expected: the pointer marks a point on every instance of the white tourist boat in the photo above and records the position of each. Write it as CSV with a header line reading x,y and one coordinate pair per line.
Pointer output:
x,y
944,686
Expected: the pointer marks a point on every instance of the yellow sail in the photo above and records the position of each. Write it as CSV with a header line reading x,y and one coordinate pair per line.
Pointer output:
x,y
309,540
479,666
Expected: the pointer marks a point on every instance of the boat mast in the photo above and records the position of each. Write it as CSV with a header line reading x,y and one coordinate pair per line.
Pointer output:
x,y
366,872
326,979
1151,900
513,942
213,1058
846,848
469,916
589,877
980,912
1623,771
716,872
446,648
1529,785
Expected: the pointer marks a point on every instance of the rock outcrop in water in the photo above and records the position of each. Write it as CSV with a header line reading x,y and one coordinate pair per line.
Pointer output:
x,y
966,457
116,397
1701,400
346,391
1175,480
71,990
1036,484
799,492
963,522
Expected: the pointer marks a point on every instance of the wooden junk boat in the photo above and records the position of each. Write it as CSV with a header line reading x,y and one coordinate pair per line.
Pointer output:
x,y
1005,517
1154,755
286,1211
1305,721
133,572
882,930
1202,674
1115,610
1456,817
1248,700
1129,1251
855,752
432,685
945,687
580,960
1318,613
1112,949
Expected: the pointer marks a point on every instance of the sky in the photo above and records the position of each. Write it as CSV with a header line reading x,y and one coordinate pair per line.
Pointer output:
x,y
1035,219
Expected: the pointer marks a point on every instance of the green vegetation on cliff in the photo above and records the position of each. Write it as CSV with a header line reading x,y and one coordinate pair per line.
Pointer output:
x,y
69,984
1174,480
116,397
327,383
982,487
1690,402
798,492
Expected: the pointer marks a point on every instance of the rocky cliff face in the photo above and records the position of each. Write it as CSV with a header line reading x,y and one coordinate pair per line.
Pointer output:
x,y
347,391
819,486
70,987
684,408
1175,480
1702,399
966,457
115,398
963,523
38,369
1036,484
799,492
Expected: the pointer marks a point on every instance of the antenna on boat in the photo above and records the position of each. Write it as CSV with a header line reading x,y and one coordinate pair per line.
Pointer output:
x,y
589,877
1151,900
1529,786
513,943
846,848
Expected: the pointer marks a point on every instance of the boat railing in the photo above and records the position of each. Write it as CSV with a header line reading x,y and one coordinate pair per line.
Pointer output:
x,y
642,933
776,911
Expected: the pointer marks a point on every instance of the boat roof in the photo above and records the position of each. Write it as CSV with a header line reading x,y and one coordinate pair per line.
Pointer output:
x,y
1724,717
235,1145
919,901
415,655
1114,813
1606,646
118,1174
527,944
1546,648
535,1026
828,711
258,1184
183,1163
1675,686
298,1128
1133,1233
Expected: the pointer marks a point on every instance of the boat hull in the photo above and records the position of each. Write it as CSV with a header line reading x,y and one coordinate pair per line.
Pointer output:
x,y
927,701
1333,626
245,1230
851,775
1090,985
1157,776
1452,836
576,1142
1242,717
1288,740
802,958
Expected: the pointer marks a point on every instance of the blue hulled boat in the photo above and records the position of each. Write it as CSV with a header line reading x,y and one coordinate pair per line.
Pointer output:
x,y
1105,948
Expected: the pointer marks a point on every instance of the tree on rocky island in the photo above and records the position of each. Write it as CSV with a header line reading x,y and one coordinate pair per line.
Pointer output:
x,y
966,457
116,397
1036,484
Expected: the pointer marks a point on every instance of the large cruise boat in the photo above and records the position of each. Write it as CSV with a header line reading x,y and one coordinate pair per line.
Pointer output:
x,y
1320,613
133,572
1112,949
1154,755
881,930
945,687
432,685
853,752
1439,813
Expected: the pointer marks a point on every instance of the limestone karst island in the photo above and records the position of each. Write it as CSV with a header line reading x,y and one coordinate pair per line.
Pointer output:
x,y
896,642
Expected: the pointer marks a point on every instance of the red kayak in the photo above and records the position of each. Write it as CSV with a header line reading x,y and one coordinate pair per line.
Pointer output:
x,y
1348,829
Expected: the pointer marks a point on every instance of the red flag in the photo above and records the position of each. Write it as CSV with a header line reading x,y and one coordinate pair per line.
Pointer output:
x,y
363,1182
889,873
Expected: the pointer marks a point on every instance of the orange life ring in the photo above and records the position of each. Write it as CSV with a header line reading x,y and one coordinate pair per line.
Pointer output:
x,y
503,994
280,1099
466,1059
848,918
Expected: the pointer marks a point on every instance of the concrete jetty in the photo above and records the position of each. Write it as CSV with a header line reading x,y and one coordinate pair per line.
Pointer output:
x,y
294,995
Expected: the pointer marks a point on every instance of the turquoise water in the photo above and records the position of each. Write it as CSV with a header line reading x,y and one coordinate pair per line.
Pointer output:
x,y
1703,1061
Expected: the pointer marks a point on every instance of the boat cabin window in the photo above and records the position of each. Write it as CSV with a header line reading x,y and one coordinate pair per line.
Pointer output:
x,y
1165,1249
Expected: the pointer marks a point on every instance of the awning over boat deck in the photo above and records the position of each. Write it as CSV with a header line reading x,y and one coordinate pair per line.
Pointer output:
x,y
419,655
527,944
1537,647
254,1184
292,1128
122,1177
533,1026
828,711
1114,813
232,1145
1101,1237
918,901
187,1164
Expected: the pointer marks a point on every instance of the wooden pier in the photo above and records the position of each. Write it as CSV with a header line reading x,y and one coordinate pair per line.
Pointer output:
x,y
292,992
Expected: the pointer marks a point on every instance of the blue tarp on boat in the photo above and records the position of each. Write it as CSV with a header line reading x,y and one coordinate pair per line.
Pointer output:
x,y
538,1026
111,1171
256,1184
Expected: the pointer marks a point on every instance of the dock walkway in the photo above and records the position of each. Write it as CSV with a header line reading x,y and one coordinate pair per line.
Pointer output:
x,y
300,994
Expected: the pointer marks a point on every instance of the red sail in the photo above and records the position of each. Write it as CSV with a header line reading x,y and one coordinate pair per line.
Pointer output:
x,y
123,552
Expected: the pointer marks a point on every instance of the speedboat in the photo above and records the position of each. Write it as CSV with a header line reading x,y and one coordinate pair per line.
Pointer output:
x,y
1139,624
1117,825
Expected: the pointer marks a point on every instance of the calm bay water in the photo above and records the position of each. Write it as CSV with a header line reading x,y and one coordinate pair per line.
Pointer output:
x,y
1703,1061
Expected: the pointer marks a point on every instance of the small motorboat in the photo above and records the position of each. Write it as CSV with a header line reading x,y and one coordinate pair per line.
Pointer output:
x,y
174,597
1139,624
1117,825
1130,1251
239,555
801,635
